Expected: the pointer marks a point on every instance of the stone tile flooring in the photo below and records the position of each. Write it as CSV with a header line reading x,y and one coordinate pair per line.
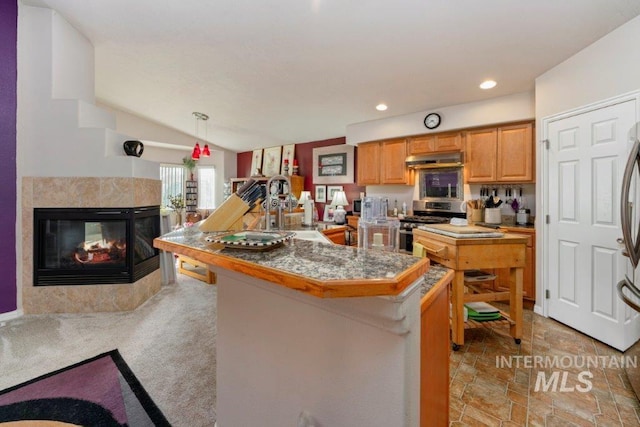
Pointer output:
x,y
486,391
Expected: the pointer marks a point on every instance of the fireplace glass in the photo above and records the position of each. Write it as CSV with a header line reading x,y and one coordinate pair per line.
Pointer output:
x,y
94,246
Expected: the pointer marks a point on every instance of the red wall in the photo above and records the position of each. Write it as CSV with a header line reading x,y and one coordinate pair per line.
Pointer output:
x,y
304,155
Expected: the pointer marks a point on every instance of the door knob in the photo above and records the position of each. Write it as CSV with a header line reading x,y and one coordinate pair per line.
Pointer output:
x,y
620,240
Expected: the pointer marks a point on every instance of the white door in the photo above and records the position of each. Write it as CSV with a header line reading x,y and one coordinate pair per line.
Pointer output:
x,y
586,159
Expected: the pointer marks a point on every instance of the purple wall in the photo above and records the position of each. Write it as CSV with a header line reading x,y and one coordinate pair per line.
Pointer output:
x,y
8,102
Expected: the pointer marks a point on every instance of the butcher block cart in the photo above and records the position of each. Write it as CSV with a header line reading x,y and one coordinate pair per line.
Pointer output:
x,y
463,248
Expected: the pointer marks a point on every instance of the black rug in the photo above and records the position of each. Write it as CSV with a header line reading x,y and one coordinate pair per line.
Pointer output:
x,y
101,391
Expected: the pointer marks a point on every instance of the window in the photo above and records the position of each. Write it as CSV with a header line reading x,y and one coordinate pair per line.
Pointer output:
x,y
172,177
206,187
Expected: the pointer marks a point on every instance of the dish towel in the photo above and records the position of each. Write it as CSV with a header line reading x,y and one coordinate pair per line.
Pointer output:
x,y
419,250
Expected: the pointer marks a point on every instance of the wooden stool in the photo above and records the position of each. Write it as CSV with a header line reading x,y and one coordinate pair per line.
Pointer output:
x,y
194,271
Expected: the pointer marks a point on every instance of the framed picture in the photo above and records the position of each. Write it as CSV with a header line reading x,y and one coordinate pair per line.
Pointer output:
x,y
333,164
321,193
288,152
271,161
256,163
331,189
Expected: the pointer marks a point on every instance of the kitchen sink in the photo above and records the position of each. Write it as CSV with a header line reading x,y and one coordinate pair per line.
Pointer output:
x,y
312,235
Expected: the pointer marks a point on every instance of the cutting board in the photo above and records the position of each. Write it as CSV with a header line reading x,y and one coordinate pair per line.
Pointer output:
x,y
461,231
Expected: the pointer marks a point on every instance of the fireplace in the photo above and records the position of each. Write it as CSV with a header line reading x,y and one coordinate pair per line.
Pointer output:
x,y
87,246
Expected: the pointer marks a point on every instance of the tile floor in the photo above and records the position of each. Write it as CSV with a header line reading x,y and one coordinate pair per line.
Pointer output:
x,y
483,392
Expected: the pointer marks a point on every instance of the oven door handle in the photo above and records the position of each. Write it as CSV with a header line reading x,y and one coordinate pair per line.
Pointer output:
x,y
406,232
440,251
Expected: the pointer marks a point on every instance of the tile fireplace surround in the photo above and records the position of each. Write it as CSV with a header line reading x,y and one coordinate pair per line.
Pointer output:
x,y
83,192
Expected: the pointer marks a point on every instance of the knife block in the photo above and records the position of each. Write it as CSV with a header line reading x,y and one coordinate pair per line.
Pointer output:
x,y
227,217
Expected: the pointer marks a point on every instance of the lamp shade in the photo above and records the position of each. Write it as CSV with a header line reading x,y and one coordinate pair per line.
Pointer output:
x,y
195,155
304,196
339,199
205,151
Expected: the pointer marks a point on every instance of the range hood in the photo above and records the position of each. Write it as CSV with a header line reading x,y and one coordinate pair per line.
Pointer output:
x,y
431,161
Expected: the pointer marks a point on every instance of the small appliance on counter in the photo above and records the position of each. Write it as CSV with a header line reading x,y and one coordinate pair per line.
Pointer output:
x,y
375,231
522,217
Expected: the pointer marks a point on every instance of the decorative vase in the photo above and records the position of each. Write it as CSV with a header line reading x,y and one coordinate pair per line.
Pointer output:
x,y
178,217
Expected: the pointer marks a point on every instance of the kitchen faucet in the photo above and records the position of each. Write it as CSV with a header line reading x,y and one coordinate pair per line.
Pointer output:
x,y
267,211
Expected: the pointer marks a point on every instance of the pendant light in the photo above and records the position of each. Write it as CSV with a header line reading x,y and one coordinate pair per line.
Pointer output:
x,y
197,152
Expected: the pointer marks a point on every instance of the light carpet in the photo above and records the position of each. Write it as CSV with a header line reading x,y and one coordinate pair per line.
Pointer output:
x,y
169,342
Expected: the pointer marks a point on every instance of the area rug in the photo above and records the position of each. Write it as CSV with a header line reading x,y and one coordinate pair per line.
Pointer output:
x,y
101,391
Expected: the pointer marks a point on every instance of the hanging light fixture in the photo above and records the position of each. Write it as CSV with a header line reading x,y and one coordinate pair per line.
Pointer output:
x,y
197,152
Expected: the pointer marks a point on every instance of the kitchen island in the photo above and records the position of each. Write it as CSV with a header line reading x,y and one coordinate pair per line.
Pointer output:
x,y
506,251
314,329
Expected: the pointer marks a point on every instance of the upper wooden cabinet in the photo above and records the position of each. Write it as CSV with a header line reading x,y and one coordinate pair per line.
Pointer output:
x,y
394,154
500,154
368,163
382,162
435,143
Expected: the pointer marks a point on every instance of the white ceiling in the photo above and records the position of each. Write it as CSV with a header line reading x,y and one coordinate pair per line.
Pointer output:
x,y
274,72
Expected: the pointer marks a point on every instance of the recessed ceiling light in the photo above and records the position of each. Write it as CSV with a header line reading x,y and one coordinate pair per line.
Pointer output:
x,y
381,107
488,84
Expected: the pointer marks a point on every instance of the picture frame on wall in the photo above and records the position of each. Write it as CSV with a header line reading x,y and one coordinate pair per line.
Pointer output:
x,y
331,190
333,164
256,163
321,193
288,154
271,161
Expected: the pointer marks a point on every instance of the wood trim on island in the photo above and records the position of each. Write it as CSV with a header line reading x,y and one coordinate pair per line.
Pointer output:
x,y
341,288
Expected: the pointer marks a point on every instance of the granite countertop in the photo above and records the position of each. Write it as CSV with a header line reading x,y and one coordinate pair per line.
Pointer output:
x,y
321,269
434,275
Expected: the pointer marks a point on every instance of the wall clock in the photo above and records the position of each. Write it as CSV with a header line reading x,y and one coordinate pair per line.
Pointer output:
x,y
432,120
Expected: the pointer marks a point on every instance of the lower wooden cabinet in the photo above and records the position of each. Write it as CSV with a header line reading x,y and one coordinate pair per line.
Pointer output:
x,y
435,347
336,234
352,221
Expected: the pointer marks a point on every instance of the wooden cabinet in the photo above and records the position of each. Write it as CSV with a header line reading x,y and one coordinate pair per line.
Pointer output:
x,y
383,162
352,222
394,154
336,234
435,143
481,147
500,154
368,163
434,355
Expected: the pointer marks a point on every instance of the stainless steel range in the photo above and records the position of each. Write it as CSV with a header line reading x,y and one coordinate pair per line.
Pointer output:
x,y
427,212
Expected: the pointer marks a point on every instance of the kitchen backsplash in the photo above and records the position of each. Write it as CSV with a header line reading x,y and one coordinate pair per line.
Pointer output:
x,y
407,194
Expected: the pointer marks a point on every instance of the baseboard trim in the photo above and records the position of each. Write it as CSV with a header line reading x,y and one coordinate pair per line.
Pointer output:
x,y
538,310
11,315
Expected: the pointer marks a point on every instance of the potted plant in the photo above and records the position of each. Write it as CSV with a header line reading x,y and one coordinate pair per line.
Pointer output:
x,y
177,204
190,164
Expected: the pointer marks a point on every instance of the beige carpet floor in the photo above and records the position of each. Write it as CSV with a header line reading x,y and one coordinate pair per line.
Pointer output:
x,y
169,343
